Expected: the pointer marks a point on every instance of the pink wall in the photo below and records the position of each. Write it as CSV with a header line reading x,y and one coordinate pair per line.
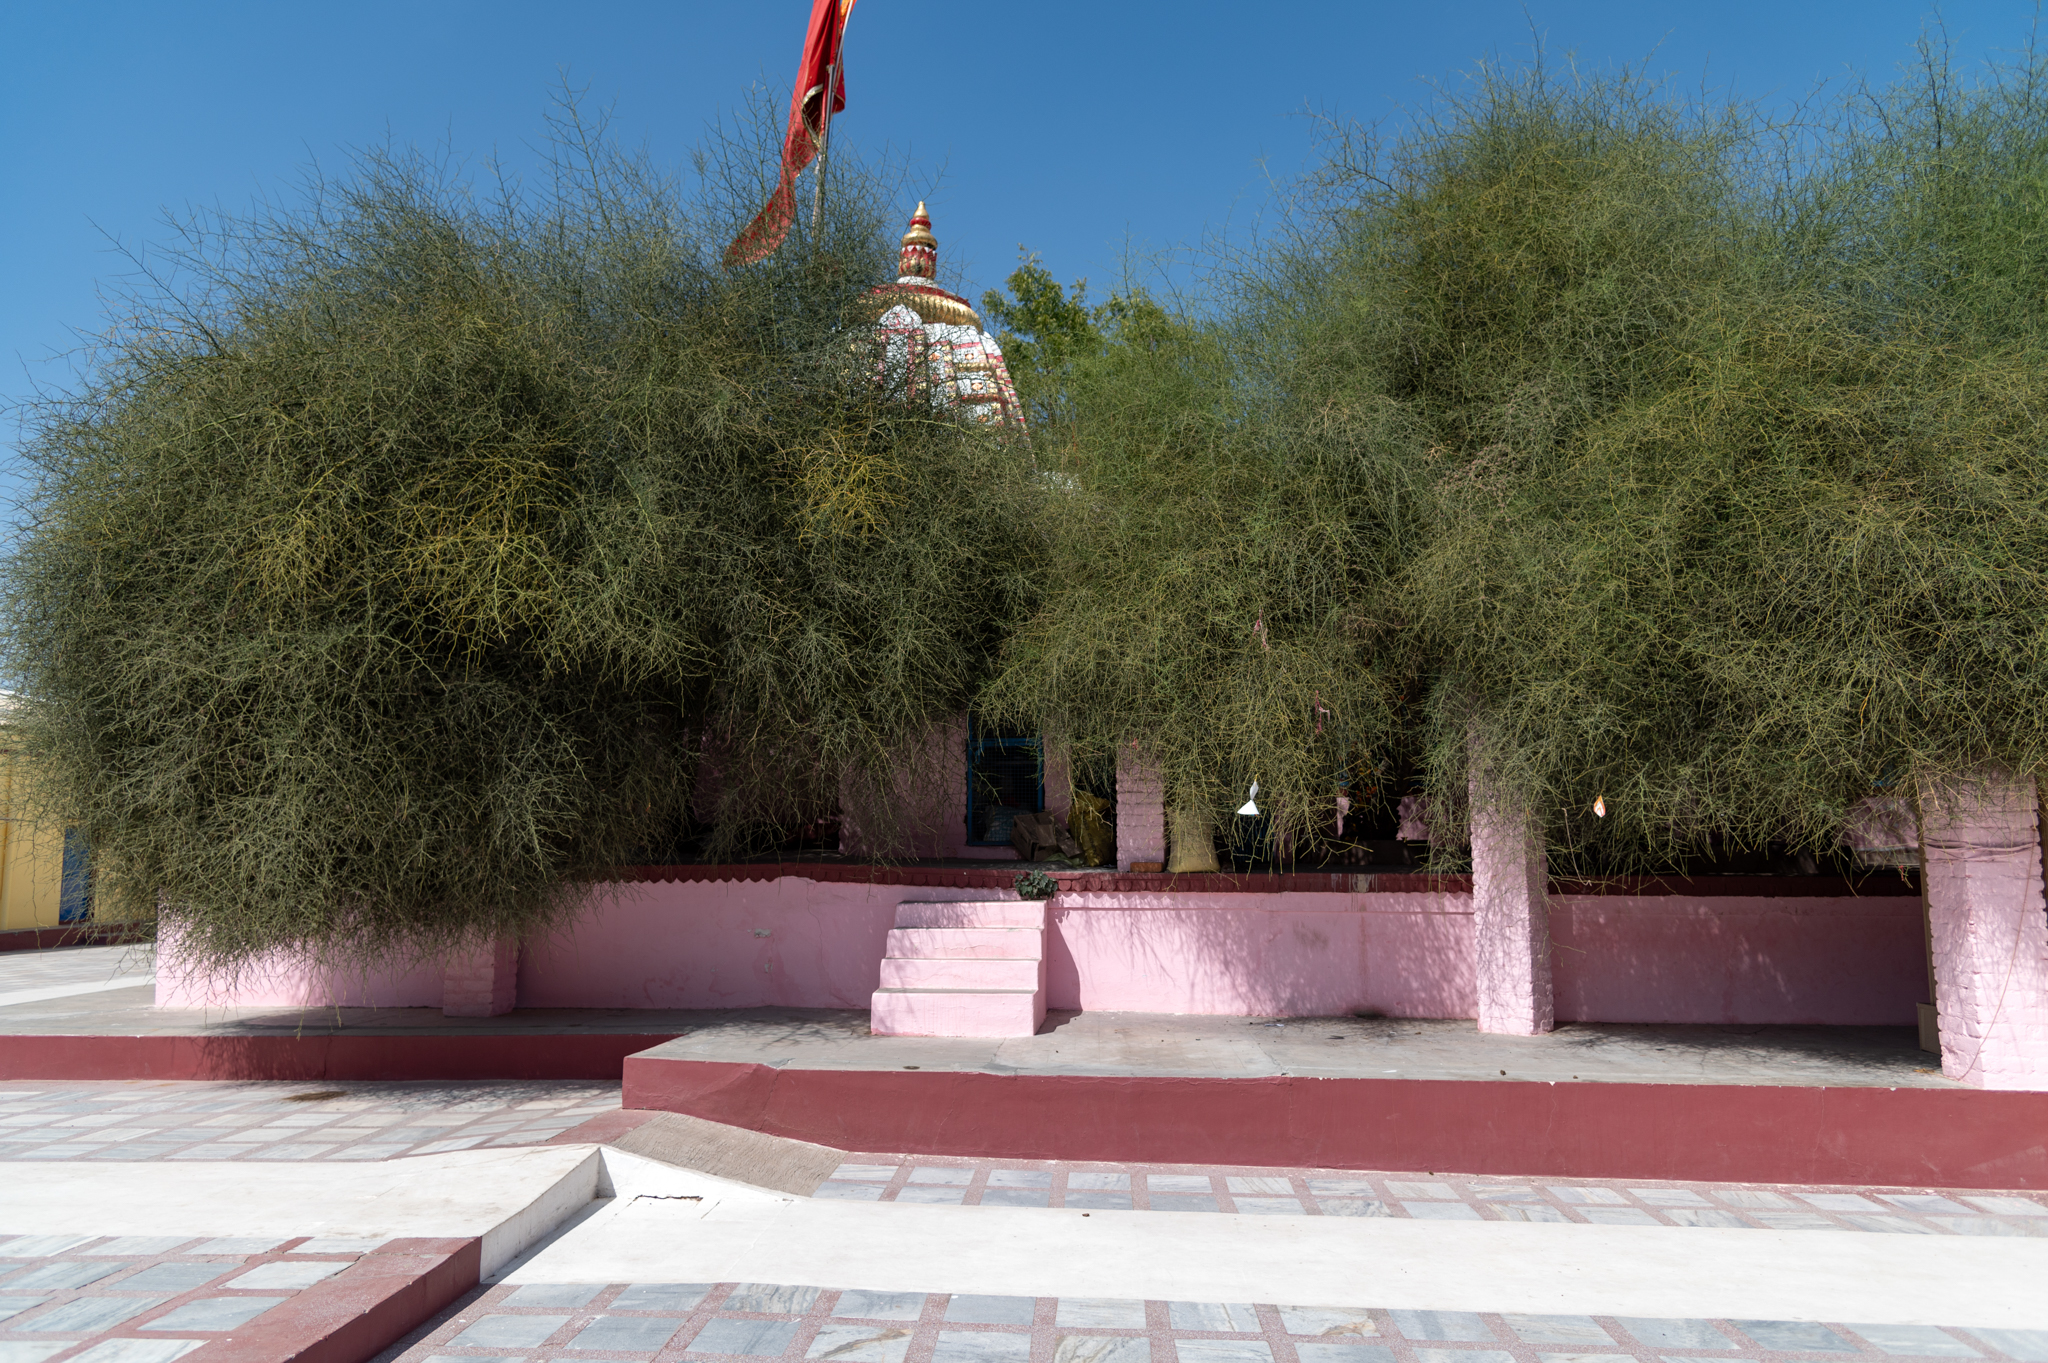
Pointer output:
x,y
1755,959
803,944
722,944
1269,955
280,981
811,943
1670,958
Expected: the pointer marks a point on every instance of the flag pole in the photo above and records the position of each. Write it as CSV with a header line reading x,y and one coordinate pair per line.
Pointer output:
x,y
824,144
825,115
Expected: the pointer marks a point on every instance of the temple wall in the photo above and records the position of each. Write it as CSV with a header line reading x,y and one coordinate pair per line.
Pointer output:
x,y
285,982
1262,955
1845,961
800,942
722,944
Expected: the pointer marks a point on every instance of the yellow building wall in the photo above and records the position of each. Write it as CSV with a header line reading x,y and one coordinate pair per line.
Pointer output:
x,y
31,857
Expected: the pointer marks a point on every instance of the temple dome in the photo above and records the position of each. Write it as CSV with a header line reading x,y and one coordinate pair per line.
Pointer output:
x,y
916,285
935,340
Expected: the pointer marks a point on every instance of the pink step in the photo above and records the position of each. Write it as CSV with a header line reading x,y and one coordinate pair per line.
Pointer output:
x,y
933,973
999,913
965,968
942,1012
957,944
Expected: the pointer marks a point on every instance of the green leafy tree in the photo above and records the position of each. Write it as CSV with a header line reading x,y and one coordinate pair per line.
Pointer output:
x,y
432,556
1208,571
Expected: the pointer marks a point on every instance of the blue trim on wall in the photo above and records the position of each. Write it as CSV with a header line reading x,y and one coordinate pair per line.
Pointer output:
x,y
74,902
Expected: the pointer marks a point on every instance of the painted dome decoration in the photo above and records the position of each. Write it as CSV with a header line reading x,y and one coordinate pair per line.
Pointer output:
x,y
933,341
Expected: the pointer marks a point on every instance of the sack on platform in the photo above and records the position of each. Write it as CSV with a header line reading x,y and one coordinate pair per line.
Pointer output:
x,y
1193,843
1091,829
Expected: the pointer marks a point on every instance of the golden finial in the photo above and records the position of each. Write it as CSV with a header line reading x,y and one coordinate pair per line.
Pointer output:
x,y
920,256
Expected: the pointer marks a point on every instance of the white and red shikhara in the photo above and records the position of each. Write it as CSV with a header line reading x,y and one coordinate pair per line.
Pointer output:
x,y
933,342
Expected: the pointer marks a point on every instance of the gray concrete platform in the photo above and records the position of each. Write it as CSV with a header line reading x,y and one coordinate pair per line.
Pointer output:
x,y
1168,1045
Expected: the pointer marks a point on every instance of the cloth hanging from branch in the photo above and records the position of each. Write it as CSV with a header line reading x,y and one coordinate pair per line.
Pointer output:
x,y
808,117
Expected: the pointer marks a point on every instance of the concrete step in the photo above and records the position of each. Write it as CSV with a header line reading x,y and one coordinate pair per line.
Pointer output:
x,y
997,913
951,1012
963,944
931,972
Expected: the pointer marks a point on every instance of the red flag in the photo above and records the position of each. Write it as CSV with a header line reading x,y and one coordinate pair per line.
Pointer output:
x,y
807,119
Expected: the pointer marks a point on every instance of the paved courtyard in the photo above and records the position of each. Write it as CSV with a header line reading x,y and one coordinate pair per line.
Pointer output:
x,y
148,1298
892,1258
130,1120
180,1120
151,1298
1434,1197
662,1321
142,1299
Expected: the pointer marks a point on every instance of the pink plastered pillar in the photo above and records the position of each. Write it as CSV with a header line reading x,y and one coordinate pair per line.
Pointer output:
x,y
1511,917
1981,857
1140,810
481,982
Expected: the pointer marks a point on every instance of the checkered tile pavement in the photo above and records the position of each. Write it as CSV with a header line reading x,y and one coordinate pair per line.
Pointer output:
x,y
139,1120
147,1298
650,1322
180,1120
1307,1192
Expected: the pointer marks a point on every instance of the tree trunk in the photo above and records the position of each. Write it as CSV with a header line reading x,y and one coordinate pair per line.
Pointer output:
x,y
1192,846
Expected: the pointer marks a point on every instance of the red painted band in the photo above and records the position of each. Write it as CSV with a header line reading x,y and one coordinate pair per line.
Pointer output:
x,y
1685,1132
72,935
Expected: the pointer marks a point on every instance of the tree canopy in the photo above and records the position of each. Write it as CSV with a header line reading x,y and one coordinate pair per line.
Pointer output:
x,y
1705,488
429,556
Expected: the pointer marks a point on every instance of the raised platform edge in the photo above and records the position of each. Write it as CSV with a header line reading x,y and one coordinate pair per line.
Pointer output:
x,y
1950,1138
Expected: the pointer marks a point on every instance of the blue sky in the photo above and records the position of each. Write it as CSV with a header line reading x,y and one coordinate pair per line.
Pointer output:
x,y
1081,130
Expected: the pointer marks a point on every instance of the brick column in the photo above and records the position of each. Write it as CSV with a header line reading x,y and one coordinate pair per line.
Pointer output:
x,y
481,982
1511,916
1140,810
1981,863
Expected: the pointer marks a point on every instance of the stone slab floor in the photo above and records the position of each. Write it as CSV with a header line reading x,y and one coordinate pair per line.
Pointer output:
x,y
142,1120
659,1322
150,1299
